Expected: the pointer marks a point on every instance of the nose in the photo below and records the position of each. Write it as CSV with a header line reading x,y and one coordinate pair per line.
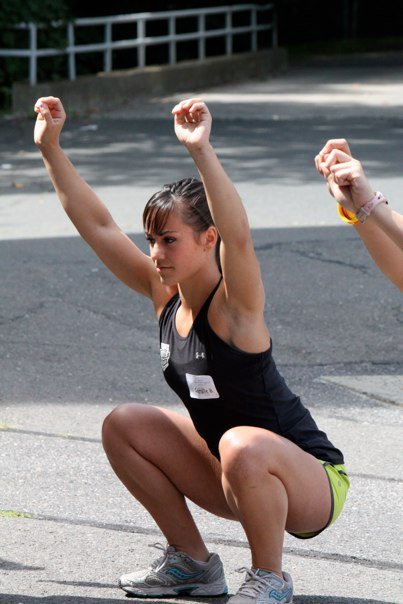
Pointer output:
x,y
156,252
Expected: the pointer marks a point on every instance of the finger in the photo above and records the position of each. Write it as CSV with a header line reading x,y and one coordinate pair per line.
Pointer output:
x,y
184,105
336,157
324,170
180,118
336,143
179,114
45,113
330,189
53,105
187,103
321,165
191,108
343,176
198,107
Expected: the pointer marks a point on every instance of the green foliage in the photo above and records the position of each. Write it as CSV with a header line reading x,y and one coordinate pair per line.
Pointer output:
x,y
37,11
40,12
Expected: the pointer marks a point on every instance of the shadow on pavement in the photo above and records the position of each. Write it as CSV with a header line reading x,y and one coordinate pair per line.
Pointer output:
x,y
9,565
145,152
23,599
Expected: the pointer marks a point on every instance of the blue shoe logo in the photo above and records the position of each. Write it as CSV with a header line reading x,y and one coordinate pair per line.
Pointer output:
x,y
179,574
279,596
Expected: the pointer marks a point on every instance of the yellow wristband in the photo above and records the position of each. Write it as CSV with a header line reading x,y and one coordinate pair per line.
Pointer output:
x,y
346,216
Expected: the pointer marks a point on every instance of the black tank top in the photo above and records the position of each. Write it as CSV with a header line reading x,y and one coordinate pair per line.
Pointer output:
x,y
222,386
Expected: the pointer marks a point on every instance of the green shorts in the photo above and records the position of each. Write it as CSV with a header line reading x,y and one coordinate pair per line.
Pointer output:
x,y
339,485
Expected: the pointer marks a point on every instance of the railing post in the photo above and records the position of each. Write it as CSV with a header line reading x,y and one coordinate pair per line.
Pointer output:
x,y
228,35
141,49
254,32
201,24
32,56
141,41
172,42
70,50
108,50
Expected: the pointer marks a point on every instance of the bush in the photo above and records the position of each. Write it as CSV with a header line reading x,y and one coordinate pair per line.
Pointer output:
x,y
20,11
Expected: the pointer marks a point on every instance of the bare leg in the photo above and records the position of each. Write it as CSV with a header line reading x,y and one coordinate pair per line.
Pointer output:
x,y
161,459
272,485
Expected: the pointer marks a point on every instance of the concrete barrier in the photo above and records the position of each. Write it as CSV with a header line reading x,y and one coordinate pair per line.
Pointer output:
x,y
105,91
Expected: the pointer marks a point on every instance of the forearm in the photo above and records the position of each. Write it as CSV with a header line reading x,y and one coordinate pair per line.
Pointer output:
x,y
384,251
82,205
389,221
225,204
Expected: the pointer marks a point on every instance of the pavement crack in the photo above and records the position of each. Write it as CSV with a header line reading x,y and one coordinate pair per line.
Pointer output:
x,y
321,258
103,314
24,315
216,540
312,254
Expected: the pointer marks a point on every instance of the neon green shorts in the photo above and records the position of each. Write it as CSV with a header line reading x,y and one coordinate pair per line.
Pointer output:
x,y
339,485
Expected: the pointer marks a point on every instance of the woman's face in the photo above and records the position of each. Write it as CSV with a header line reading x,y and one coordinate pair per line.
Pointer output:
x,y
177,251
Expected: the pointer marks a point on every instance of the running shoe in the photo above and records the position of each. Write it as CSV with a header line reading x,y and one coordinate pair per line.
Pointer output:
x,y
175,573
263,587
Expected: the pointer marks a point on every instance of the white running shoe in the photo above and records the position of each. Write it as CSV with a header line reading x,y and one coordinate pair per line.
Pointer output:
x,y
263,587
176,573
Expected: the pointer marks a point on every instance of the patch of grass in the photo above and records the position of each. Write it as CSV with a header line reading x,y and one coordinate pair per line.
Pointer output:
x,y
14,514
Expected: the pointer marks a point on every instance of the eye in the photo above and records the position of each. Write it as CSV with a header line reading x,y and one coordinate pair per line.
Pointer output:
x,y
169,239
150,240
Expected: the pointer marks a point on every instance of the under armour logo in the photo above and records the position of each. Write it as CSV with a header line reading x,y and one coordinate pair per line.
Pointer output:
x,y
200,355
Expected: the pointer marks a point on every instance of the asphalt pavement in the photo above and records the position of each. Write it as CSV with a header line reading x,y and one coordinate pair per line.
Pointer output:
x,y
75,342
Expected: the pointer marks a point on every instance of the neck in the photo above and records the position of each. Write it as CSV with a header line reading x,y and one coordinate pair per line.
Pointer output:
x,y
194,292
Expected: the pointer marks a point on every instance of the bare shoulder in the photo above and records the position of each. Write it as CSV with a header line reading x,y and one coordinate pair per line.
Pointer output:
x,y
246,330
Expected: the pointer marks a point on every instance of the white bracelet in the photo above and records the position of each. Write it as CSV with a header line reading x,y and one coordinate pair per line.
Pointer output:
x,y
363,213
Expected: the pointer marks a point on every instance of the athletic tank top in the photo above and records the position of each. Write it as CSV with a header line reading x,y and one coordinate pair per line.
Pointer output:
x,y
222,386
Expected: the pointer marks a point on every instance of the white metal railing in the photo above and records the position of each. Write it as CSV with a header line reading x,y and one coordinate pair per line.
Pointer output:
x,y
142,41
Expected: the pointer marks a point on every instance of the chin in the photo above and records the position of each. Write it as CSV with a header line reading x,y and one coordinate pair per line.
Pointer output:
x,y
168,280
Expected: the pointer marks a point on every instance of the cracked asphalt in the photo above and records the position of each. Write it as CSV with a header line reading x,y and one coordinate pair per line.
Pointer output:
x,y
74,342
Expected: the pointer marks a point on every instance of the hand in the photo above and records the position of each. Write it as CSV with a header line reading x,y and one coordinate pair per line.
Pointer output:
x,y
335,143
49,122
345,176
192,123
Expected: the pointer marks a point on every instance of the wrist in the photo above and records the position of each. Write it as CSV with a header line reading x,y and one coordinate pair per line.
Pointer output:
x,y
200,150
365,210
47,148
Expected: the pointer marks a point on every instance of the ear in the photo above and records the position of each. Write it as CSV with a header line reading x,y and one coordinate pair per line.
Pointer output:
x,y
210,238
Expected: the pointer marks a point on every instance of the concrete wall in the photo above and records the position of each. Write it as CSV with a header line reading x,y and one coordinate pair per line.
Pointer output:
x,y
118,88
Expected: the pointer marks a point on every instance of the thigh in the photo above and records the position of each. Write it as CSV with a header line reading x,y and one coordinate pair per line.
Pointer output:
x,y
303,476
170,442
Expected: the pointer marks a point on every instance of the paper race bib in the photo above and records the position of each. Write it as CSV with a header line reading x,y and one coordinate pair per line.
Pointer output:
x,y
201,386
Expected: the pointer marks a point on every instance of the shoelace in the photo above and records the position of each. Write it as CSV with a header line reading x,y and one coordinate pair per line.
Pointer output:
x,y
156,563
255,584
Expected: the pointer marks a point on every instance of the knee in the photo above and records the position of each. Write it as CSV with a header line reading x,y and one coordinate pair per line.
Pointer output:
x,y
247,452
115,425
238,455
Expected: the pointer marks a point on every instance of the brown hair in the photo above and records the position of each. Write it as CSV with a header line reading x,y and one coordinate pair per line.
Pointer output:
x,y
189,197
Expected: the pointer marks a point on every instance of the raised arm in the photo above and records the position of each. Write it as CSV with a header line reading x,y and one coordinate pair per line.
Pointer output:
x,y
84,208
241,271
382,230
